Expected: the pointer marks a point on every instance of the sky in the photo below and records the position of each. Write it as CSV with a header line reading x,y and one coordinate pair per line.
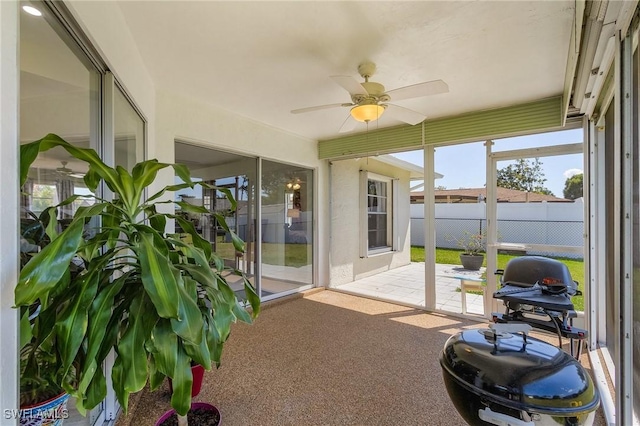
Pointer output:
x,y
464,166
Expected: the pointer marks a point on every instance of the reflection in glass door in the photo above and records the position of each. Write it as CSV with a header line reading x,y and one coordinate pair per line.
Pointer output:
x,y
58,96
231,173
287,227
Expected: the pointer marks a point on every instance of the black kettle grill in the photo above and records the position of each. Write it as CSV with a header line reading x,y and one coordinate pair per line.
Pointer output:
x,y
537,291
500,376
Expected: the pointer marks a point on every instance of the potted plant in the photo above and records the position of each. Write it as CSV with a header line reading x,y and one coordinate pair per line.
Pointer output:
x,y
157,301
472,244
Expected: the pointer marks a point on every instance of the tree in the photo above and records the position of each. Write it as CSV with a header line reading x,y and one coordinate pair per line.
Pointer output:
x,y
573,187
524,175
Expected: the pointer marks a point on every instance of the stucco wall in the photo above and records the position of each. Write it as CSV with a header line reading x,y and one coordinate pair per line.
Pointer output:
x,y
346,264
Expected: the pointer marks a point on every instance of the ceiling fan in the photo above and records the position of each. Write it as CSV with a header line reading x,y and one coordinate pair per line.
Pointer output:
x,y
64,170
369,99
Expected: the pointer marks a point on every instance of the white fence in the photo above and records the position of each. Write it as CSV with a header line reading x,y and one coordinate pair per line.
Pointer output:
x,y
529,223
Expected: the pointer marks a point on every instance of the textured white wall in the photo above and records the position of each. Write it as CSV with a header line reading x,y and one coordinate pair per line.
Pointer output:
x,y
346,264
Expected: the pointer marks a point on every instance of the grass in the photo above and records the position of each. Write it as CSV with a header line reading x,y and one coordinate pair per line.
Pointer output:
x,y
452,257
295,255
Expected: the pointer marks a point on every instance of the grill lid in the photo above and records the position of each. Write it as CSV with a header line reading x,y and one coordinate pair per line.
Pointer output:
x,y
529,270
520,373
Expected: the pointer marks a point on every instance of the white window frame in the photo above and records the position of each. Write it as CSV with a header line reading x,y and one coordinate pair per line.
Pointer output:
x,y
392,203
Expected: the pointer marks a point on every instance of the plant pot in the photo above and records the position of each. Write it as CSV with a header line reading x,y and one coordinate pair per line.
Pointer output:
x,y
472,262
199,409
48,413
197,371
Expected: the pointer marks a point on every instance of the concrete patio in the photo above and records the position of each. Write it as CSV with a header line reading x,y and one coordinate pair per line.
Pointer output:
x,y
406,285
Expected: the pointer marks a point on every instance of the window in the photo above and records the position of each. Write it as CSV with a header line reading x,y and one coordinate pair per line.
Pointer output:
x,y
377,221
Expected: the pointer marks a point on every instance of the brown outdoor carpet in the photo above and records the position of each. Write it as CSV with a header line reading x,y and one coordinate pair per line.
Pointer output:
x,y
327,359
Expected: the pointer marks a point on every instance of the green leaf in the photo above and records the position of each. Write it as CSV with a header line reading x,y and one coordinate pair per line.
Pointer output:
x,y
238,244
158,276
25,329
46,268
128,191
52,222
99,315
183,173
223,315
28,154
182,380
145,173
71,325
92,180
200,353
174,188
117,378
192,208
131,346
214,342
202,275
197,239
96,165
189,323
252,297
97,390
156,378
165,346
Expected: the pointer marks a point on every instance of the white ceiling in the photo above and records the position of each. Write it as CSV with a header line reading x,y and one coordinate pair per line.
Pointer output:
x,y
263,59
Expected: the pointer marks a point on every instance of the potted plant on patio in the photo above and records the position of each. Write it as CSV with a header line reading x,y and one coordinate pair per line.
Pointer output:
x,y
472,244
158,301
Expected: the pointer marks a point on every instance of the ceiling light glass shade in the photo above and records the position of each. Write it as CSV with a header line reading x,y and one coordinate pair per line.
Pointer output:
x,y
369,112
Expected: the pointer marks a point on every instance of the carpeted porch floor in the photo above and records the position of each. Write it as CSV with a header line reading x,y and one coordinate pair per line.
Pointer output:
x,y
328,358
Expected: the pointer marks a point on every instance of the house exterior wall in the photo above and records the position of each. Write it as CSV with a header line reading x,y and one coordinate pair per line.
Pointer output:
x,y
346,263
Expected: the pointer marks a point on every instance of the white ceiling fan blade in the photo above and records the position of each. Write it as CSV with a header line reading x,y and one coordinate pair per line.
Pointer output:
x,y
350,84
348,125
317,108
427,88
404,114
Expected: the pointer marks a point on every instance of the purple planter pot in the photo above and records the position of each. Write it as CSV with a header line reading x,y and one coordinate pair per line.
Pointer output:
x,y
194,405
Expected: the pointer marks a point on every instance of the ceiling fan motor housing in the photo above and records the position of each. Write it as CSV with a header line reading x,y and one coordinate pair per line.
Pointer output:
x,y
375,93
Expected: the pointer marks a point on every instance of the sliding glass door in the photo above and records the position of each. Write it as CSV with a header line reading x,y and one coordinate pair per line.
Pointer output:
x,y
287,227
276,228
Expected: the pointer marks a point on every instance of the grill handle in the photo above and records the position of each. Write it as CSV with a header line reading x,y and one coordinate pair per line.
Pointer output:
x,y
501,419
499,272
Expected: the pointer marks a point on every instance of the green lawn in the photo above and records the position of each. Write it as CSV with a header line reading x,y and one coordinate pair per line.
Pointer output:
x,y
296,255
452,257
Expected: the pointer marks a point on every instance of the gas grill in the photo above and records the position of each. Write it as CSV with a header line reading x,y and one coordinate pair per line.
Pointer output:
x,y
537,291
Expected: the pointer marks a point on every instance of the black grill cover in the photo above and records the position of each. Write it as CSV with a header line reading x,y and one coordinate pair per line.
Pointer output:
x,y
529,375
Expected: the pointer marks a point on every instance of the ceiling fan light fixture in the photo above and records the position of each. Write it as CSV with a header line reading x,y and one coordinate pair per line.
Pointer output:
x,y
367,112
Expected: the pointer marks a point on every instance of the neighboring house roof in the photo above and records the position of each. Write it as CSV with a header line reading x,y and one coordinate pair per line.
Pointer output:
x,y
471,195
416,171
